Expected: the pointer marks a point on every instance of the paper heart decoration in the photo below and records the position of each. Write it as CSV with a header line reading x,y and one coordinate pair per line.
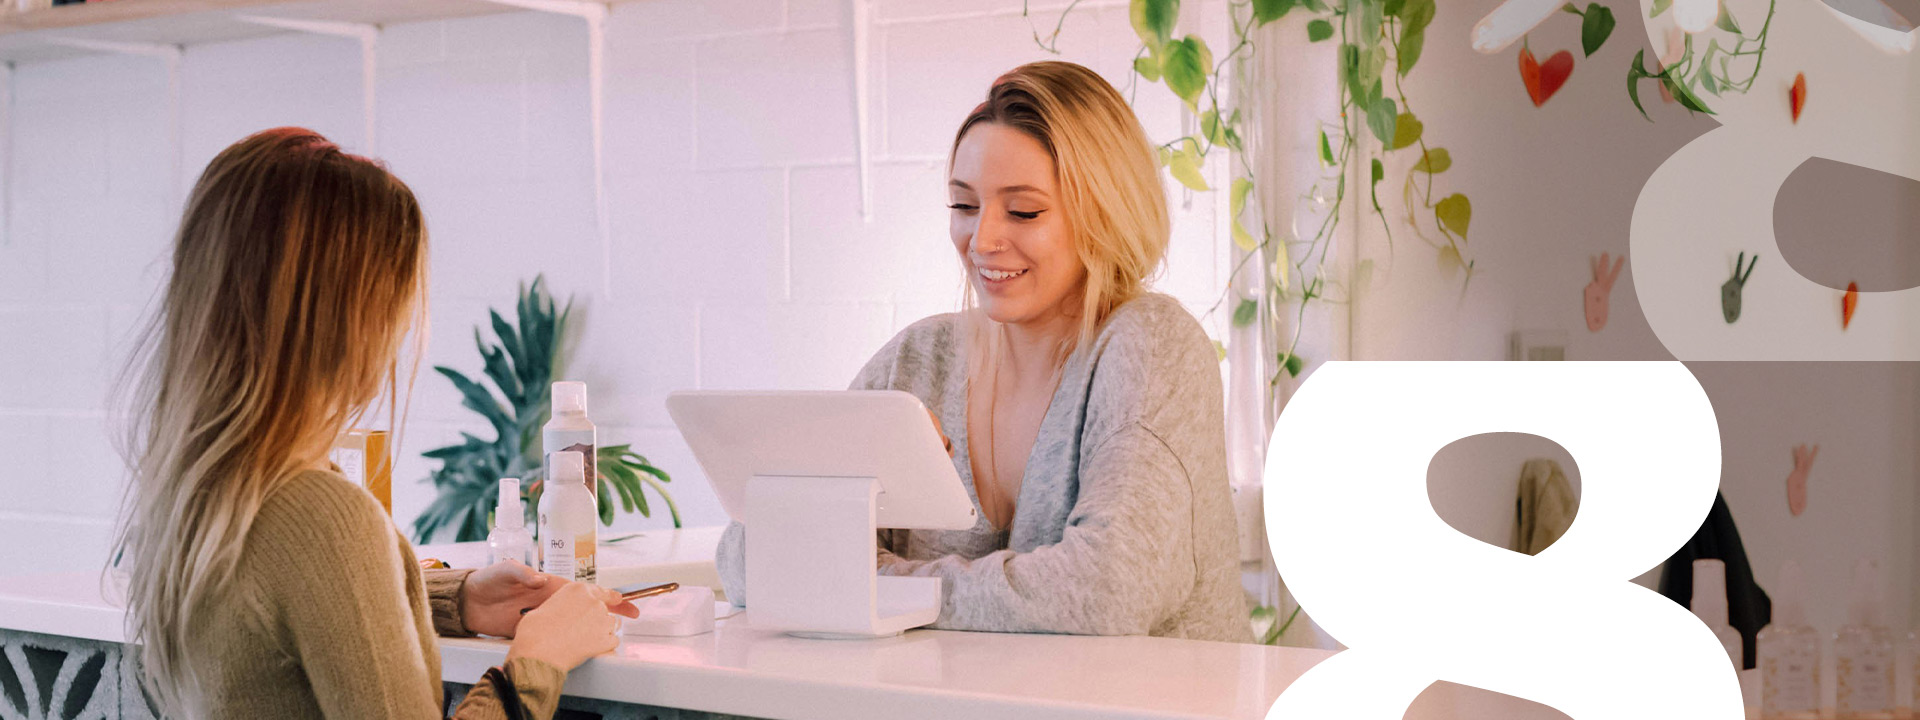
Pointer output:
x,y
1797,95
1543,80
1601,289
1797,480
1848,302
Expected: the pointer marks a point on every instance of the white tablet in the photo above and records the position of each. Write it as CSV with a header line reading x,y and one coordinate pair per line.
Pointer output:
x,y
882,434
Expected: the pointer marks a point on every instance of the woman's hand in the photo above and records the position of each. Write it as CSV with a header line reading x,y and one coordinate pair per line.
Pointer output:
x,y
572,626
498,595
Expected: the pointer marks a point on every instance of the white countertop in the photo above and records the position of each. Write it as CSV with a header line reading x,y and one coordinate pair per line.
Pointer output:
x,y
922,674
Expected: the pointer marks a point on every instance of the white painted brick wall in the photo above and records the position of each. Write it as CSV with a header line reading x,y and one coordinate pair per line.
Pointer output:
x,y
739,257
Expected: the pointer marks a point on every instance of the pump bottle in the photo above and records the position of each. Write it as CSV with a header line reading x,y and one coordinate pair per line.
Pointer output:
x,y
569,532
1789,654
1863,657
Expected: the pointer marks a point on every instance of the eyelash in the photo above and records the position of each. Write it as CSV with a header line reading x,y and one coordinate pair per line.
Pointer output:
x,y
1022,215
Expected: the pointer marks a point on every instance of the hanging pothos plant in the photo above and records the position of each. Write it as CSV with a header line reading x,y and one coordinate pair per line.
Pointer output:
x,y
1380,41
1700,71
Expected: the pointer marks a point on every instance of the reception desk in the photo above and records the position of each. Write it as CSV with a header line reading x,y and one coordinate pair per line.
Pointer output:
x,y
61,622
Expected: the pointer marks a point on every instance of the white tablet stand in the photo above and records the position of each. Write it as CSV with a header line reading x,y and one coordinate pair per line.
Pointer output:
x,y
813,476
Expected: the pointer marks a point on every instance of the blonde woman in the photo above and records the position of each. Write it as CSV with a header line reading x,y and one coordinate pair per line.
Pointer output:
x,y
1085,412
263,583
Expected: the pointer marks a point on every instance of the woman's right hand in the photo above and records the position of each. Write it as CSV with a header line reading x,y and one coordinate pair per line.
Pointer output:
x,y
569,628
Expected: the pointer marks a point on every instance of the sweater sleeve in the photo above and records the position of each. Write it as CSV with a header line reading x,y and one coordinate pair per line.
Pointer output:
x,y
1124,562
537,681
332,568
445,590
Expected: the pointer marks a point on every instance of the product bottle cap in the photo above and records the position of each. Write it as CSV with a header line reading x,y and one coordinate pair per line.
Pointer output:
x,y
568,467
569,398
1710,591
508,513
1864,607
1789,605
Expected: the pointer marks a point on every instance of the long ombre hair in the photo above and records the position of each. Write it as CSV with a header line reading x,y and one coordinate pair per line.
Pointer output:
x,y
298,269
1109,184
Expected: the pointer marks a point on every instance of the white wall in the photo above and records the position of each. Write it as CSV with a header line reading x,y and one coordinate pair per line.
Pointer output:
x,y
1554,185
738,258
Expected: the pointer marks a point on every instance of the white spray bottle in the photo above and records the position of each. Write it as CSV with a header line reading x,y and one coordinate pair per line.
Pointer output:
x,y
509,539
569,429
1710,605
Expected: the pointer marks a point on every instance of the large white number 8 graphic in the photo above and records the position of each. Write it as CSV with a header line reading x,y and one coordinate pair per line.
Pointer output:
x,y
1415,601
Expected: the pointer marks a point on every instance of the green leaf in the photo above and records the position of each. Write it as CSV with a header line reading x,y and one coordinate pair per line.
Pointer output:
x,y
1220,350
1393,7
1314,5
1635,74
1406,131
1266,11
1185,66
1685,96
1410,47
1379,171
1434,162
1326,150
1293,363
1415,16
1318,30
1242,239
1455,212
1245,313
1659,6
1148,67
1596,24
1725,21
1241,186
1380,119
1350,70
1153,21
1185,167
1210,125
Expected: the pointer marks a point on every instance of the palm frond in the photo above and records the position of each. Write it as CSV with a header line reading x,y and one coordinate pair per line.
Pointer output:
x,y
520,363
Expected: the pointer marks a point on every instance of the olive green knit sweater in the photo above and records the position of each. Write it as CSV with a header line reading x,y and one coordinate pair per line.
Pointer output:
x,y
329,615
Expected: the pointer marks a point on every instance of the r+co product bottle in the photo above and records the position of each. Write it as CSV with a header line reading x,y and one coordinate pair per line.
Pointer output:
x,y
569,429
1863,653
1710,605
510,539
568,520
1789,654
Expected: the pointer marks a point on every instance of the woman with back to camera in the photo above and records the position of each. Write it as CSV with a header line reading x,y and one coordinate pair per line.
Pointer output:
x,y
263,583
1086,412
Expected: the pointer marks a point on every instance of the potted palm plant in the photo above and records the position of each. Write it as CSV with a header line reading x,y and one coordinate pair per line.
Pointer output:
x,y
520,364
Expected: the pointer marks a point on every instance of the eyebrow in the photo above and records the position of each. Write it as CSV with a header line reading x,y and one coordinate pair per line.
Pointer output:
x,y
1008,190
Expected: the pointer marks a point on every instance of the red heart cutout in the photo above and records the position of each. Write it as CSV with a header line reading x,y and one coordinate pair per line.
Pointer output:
x,y
1797,95
1848,302
1543,81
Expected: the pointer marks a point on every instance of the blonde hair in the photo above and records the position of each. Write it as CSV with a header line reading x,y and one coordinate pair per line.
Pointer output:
x,y
298,270
1107,177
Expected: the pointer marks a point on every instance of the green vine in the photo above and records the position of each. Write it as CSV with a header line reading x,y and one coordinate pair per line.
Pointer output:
x,y
1709,71
1380,41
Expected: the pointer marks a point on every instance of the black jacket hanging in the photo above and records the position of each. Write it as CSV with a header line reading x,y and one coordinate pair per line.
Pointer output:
x,y
1748,607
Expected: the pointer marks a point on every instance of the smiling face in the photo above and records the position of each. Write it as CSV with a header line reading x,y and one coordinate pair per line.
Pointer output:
x,y
1010,228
